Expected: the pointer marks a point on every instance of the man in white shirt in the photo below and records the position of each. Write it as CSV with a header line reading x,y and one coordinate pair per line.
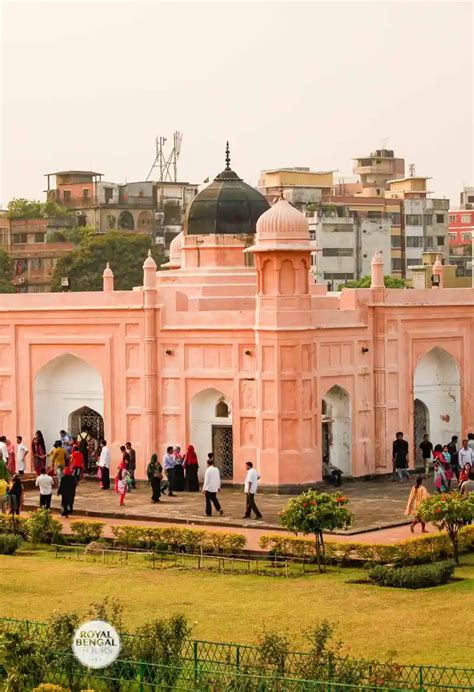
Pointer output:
x,y
104,465
250,487
212,485
45,484
21,452
4,449
465,455
470,443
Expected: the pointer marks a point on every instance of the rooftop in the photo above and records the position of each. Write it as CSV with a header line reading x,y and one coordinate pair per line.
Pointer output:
x,y
74,173
410,177
296,169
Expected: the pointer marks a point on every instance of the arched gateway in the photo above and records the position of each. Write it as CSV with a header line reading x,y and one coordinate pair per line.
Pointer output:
x,y
211,430
64,387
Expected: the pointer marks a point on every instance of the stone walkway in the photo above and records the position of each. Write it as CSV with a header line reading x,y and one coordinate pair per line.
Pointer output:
x,y
375,504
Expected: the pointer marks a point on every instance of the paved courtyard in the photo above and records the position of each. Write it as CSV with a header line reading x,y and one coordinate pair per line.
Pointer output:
x,y
375,504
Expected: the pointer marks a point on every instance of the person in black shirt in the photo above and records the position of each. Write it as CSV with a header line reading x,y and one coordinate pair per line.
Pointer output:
x,y
426,452
453,450
400,457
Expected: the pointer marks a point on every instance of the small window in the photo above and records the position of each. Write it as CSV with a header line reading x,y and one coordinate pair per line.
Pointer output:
x,y
465,218
19,238
428,219
413,220
439,218
108,193
413,262
35,263
470,198
467,235
440,239
40,237
67,195
338,252
85,193
414,241
396,263
396,241
222,410
452,218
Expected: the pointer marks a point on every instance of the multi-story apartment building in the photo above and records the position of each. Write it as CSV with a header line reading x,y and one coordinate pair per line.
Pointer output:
x,y
156,208
461,240
467,198
424,222
376,169
302,187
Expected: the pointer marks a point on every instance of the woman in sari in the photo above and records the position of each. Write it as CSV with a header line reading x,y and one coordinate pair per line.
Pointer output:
x,y
38,450
417,494
191,466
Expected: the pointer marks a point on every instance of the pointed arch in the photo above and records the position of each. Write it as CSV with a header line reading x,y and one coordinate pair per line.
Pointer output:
x,y
287,278
336,423
211,429
64,385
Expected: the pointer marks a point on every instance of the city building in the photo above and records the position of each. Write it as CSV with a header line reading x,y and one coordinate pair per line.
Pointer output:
x,y
424,221
248,359
376,169
467,198
303,188
461,239
155,208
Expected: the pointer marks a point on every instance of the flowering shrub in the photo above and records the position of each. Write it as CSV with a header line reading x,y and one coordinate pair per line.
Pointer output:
x,y
315,512
449,512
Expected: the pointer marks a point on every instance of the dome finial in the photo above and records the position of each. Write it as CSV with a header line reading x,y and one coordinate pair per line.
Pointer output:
x,y
227,156
282,193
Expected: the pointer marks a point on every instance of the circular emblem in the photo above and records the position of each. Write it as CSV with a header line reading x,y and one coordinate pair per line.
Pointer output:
x,y
96,644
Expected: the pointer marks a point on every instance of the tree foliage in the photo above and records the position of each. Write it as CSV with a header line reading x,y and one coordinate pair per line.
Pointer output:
x,y
21,208
315,512
125,252
365,281
6,273
448,512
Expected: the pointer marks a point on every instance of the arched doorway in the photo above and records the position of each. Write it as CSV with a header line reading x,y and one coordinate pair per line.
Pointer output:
x,y
337,429
437,385
211,430
145,221
64,386
85,419
125,221
421,426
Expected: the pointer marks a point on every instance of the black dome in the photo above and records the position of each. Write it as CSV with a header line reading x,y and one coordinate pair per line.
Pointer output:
x,y
227,205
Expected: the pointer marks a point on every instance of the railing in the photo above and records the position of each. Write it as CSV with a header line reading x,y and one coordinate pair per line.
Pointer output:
x,y
216,665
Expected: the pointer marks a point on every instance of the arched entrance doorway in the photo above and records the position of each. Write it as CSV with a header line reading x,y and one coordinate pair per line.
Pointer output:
x,y
125,221
85,419
437,386
337,429
211,430
64,387
421,426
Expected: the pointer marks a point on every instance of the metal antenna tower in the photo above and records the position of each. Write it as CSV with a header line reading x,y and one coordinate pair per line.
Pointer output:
x,y
167,164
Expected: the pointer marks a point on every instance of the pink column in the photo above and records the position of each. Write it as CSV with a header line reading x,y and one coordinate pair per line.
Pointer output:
x,y
438,270
108,279
150,352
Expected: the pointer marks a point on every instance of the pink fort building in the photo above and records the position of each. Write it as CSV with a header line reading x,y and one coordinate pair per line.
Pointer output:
x,y
233,349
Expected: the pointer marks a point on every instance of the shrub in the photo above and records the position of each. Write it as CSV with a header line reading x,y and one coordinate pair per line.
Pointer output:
x,y
420,549
177,539
13,524
448,511
87,531
42,528
21,659
9,544
315,512
415,577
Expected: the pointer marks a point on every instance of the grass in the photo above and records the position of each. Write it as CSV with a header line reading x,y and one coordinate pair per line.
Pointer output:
x,y
420,626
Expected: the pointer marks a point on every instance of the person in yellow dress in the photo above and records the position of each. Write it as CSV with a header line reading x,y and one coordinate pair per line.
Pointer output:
x,y
417,494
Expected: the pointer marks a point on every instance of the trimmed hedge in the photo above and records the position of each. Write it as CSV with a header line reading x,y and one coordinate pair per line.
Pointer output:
x,y
86,531
177,539
9,544
422,549
415,577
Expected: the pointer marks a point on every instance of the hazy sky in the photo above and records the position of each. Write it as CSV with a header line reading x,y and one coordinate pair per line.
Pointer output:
x,y
88,85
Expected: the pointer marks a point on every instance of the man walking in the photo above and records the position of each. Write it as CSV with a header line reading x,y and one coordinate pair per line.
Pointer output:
x,y
250,487
212,485
465,455
21,452
45,484
426,452
169,463
104,466
132,462
400,457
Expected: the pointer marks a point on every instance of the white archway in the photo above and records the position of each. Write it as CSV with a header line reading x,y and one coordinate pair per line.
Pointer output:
x,y
337,429
421,426
437,384
63,386
211,430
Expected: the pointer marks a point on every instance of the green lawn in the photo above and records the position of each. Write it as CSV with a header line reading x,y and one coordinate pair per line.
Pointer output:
x,y
425,626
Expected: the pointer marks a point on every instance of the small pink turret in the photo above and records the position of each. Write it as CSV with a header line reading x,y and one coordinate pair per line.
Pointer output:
x,y
108,279
377,268
149,272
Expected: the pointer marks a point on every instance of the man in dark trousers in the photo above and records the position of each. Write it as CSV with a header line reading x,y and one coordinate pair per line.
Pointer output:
x,y
250,487
400,457
453,450
132,462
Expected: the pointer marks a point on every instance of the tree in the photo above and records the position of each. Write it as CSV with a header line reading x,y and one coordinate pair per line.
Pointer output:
x,y
449,512
125,252
365,281
21,208
315,512
6,273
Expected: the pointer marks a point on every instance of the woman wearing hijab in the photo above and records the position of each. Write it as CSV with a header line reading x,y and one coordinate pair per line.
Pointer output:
x,y
178,479
67,490
191,467
154,472
16,494
38,450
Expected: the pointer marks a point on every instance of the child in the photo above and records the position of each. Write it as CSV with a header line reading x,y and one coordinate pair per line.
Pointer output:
x,y
122,485
448,470
77,465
